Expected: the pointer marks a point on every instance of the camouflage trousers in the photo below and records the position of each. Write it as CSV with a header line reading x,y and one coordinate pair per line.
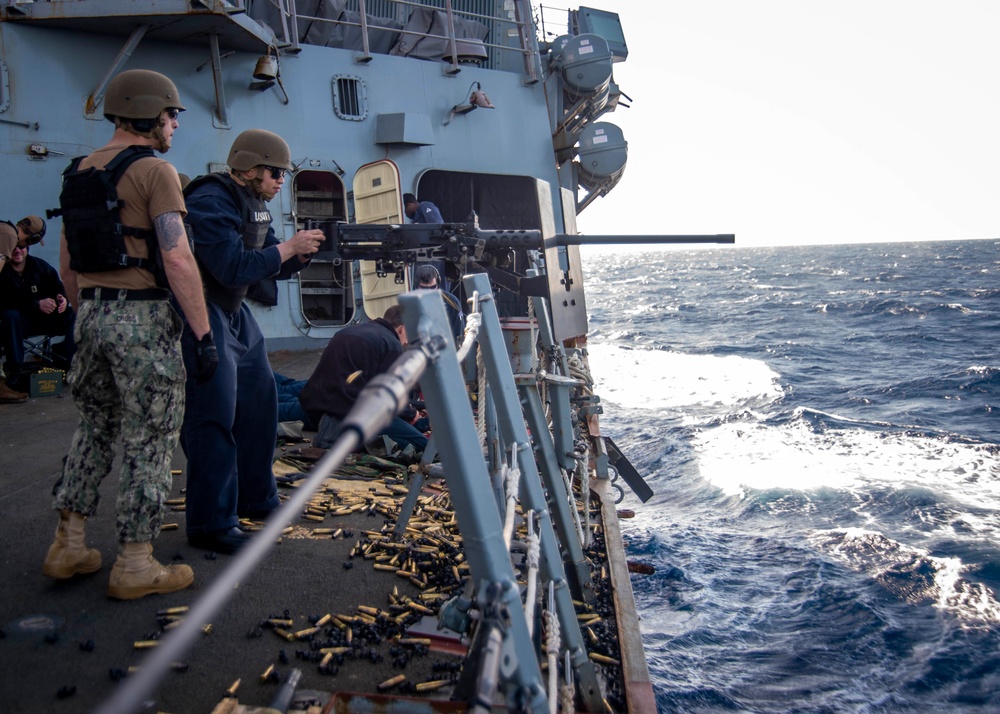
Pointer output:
x,y
127,380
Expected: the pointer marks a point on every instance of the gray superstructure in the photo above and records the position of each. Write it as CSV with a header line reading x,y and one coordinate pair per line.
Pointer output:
x,y
368,116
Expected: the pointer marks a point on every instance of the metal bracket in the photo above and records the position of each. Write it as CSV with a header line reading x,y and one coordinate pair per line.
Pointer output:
x,y
95,99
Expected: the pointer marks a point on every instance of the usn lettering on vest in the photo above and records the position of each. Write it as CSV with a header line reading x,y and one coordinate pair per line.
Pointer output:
x,y
261,216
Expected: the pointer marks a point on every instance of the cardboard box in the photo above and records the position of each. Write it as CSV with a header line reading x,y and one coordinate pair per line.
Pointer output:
x,y
45,384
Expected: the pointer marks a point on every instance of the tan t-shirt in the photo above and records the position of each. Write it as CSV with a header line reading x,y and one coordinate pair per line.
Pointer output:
x,y
8,240
149,188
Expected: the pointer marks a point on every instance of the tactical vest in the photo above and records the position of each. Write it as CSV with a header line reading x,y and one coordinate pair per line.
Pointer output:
x,y
255,221
91,213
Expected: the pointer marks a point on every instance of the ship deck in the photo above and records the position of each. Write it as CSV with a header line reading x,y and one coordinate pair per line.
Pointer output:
x,y
65,644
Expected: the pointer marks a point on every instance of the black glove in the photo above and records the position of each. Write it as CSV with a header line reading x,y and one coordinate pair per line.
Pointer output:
x,y
206,357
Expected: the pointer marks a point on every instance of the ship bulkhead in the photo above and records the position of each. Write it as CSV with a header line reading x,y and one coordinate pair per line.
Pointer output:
x,y
456,104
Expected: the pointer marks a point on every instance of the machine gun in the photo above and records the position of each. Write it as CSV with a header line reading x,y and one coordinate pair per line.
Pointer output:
x,y
467,247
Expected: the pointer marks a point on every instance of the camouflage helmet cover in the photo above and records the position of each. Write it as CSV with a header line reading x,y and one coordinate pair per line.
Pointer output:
x,y
140,94
259,147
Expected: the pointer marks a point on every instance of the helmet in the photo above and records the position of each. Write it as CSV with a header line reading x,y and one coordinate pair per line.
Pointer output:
x,y
259,147
140,94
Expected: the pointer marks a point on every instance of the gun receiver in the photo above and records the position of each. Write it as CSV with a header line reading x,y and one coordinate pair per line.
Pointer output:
x,y
398,245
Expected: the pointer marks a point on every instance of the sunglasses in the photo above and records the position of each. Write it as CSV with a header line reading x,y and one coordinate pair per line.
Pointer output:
x,y
21,246
276,173
173,113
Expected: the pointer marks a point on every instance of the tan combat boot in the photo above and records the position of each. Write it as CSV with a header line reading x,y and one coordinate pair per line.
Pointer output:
x,y
136,574
10,396
69,555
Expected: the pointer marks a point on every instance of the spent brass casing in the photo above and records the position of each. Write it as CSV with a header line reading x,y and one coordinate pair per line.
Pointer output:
x,y
170,526
601,659
180,610
302,634
267,674
145,644
284,634
393,681
431,686
231,692
323,620
414,641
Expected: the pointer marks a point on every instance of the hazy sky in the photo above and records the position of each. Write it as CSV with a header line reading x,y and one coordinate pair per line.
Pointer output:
x,y
807,121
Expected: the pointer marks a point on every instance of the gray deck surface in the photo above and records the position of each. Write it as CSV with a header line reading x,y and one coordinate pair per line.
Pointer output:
x,y
304,576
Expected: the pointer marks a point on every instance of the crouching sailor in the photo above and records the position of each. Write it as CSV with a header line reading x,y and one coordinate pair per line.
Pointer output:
x,y
127,378
231,420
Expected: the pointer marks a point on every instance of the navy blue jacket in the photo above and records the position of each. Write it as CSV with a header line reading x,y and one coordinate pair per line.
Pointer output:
x,y
370,347
22,292
216,226
427,212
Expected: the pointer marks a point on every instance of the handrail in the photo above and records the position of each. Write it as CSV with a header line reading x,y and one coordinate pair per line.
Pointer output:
x,y
288,9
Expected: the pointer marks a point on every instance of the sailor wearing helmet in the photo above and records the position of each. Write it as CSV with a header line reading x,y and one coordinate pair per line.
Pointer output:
x,y
231,420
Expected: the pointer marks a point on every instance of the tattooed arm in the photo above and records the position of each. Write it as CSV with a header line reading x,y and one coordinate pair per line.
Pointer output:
x,y
182,271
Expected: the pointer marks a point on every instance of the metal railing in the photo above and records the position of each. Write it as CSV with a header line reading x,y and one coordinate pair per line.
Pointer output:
x,y
514,25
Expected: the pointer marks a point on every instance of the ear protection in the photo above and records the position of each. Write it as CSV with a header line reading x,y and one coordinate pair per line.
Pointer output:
x,y
35,233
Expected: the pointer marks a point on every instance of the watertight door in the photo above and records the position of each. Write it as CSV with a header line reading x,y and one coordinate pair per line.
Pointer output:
x,y
377,200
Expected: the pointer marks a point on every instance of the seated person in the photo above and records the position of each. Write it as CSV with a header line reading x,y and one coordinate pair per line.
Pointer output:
x,y
289,408
428,277
8,243
351,359
32,302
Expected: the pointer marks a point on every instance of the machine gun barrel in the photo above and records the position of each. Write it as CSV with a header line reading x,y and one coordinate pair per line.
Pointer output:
x,y
564,239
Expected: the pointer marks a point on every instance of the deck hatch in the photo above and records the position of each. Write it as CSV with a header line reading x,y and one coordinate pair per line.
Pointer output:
x,y
350,101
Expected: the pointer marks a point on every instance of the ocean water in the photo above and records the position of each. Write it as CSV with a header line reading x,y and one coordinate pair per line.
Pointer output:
x,y
821,426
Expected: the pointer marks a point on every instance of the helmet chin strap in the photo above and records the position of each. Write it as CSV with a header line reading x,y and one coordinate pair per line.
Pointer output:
x,y
164,143
156,133
255,183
